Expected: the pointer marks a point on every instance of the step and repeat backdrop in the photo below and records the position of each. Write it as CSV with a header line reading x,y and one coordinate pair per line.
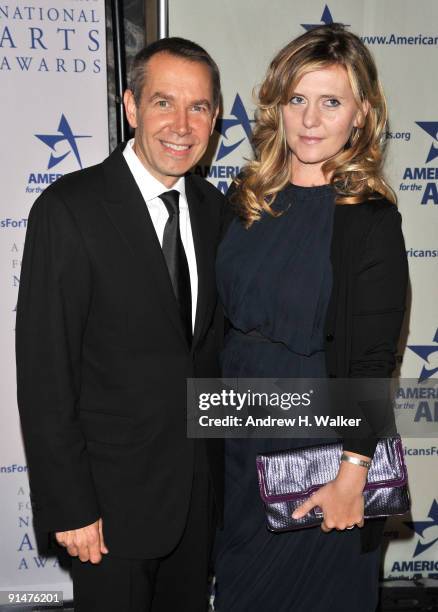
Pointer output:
x,y
53,121
403,37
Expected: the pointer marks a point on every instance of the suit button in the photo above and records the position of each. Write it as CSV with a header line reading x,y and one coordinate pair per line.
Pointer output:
x,y
329,337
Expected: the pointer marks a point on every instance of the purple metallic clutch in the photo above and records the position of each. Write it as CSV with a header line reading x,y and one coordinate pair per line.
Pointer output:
x,y
288,478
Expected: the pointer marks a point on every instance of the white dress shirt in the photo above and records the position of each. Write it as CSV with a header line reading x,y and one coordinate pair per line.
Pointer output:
x,y
151,189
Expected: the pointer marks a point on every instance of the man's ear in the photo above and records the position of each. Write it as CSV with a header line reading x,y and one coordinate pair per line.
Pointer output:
x,y
213,120
130,108
361,114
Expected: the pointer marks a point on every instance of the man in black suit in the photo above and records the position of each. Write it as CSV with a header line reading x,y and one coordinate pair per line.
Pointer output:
x,y
117,308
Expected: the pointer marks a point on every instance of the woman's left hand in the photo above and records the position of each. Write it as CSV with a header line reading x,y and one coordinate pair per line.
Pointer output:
x,y
341,500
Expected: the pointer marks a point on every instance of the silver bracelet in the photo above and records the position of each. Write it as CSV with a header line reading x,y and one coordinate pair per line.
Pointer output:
x,y
356,461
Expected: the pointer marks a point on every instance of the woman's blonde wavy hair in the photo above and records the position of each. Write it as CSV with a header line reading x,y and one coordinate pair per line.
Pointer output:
x,y
356,171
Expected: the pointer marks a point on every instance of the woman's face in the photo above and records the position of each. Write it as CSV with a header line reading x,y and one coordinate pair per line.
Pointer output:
x,y
318,120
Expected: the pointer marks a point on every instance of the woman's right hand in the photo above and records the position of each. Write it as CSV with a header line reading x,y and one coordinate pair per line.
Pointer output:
x,y
341,500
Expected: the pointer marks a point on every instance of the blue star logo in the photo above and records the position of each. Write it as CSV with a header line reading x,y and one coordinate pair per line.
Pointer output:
x,y
419,527
64,133
326,19
239,116
424,352
431,128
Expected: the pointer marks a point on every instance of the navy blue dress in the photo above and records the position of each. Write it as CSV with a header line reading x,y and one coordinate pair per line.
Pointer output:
x,y
275,279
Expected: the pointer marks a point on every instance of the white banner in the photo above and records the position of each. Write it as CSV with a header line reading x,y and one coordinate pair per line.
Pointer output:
x,y
243,37
53,121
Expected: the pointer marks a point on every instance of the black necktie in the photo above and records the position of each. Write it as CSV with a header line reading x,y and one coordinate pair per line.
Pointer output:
x,y
176,261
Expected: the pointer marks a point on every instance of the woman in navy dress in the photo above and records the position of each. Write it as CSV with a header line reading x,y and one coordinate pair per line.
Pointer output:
x,y
312,276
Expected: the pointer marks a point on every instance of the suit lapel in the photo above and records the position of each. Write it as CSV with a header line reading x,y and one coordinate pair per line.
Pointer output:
x,y
204,242
128,212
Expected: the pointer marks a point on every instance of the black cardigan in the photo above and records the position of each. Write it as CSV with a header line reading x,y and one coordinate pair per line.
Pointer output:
x,y
366,309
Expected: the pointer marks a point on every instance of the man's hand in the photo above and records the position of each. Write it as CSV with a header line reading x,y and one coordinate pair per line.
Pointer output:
x,y
87,543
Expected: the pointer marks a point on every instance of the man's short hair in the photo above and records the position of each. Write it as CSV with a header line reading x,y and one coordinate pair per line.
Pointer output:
x,y
179,47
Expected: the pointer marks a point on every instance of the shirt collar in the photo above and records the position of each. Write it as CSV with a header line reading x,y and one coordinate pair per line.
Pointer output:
x,y
149,186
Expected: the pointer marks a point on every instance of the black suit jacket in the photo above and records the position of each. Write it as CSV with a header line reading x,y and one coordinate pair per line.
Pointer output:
x,y
102,360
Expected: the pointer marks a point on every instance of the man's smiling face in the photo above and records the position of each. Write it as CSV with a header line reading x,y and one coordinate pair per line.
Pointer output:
x,y
175,117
